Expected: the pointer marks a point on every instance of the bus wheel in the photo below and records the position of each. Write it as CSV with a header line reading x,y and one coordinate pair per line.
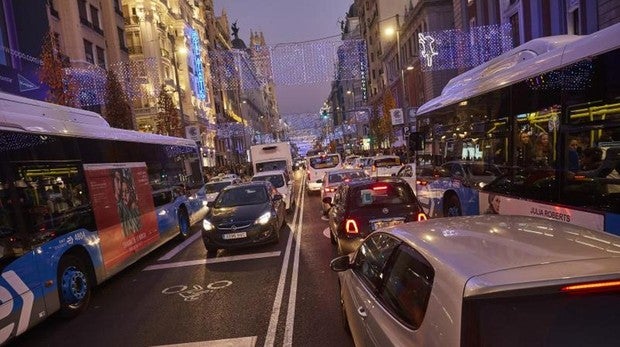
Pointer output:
x,y
183,224
73,286
452,206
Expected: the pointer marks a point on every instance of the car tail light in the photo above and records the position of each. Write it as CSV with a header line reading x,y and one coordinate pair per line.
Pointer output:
x,y
329,190
422,216
351,227
421,182
601,286
373,168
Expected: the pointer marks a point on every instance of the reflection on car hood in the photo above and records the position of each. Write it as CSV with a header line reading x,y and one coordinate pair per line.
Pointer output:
x,y
237,213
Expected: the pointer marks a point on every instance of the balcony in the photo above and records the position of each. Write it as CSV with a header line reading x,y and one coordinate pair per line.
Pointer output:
x,y
134,49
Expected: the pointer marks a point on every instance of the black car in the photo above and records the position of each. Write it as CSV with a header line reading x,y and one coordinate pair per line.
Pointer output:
x,y
363,206
243,215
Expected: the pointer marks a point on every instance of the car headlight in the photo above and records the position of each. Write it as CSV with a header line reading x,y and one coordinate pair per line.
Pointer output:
x,y
204,203
207,226
264,219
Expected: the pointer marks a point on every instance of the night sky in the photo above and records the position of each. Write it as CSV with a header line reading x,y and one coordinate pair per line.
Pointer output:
x,y
283,21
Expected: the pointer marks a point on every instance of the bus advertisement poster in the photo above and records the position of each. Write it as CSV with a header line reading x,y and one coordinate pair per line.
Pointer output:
x,y
122,201
498,204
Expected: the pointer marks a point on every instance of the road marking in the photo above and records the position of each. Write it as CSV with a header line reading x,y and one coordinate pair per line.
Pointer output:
x,y
290,315
212,260
249,341
180,247
326,232
277,303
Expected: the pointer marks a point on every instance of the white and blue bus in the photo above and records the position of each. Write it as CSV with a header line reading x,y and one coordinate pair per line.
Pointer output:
x,y
547,116
79,202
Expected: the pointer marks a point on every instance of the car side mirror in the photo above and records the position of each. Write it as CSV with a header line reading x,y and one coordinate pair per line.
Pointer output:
x,y
340,264
277,197
327,200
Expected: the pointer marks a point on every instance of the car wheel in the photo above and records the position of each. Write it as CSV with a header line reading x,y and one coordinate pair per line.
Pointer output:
x,y
332,238
343,311
184,226
211,252
74,285
340,250
277,232
452,206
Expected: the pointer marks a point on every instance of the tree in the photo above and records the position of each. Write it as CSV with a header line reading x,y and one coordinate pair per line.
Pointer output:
x,y
385,123
168,121
117,109
63,89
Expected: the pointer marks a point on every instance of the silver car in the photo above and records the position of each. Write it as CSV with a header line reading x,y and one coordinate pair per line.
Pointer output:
x,y
482,281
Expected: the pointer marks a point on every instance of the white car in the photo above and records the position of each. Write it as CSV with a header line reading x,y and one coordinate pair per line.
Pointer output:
x,y
210,190
383,165
482,281
350,162
333,179
281,181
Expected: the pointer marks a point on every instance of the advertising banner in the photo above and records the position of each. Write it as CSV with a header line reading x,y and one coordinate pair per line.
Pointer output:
x,y
122,201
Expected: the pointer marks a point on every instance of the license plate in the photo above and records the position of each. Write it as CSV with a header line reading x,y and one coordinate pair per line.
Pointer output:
x,y
386,223
234,236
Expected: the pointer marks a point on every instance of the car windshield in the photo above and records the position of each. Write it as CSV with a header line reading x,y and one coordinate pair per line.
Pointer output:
x,y
277,180
216,187
324,161
382,193
345,176
241,196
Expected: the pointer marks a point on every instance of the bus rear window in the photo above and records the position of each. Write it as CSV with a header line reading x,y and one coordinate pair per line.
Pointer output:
x,y
542,320
324,162
386,162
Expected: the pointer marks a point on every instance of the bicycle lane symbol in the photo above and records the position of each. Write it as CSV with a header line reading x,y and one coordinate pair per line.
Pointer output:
x,y
195,291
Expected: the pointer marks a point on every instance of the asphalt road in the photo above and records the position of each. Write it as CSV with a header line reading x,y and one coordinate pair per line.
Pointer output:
x,y
276,295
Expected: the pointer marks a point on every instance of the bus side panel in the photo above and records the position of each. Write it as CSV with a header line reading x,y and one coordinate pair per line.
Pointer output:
x,y
612,223
22,302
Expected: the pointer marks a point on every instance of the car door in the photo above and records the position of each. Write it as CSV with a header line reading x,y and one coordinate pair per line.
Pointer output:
x,y
336,212
363,282
407,173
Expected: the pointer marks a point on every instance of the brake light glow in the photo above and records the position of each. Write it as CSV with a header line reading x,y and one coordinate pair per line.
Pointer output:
x,y
422,216
421,182
376,188
351,227
374,168
329,190
592,287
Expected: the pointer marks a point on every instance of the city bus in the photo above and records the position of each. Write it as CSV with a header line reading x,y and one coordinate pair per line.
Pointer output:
x,y
79,202
546,117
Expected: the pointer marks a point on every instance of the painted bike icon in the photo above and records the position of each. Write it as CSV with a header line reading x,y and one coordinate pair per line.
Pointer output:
x,y
195,291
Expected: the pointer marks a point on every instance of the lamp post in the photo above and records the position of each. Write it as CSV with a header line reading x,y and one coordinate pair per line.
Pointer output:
x,y
178,84
399,65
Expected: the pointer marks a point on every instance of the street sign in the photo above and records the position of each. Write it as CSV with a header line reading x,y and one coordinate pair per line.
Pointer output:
x,y
397,116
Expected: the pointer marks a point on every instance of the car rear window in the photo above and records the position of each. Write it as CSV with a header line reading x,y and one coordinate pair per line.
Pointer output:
x,y
216,187
343,176
385,162
324,161
382,193
271,165
276,180
558,319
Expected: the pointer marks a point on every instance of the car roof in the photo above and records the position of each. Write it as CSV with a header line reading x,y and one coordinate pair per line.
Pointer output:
x,y
467,247
269,173
369,180
339,171
250,184
223,180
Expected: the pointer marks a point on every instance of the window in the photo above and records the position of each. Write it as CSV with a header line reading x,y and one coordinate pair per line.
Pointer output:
x,y
88,52
94,17
407,287
121,38
53,10
82,11
372,257
514,27
100,57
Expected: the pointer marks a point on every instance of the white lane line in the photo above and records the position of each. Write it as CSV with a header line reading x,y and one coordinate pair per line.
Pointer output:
x,y
290,315
213,260
277,303
249,341
180,247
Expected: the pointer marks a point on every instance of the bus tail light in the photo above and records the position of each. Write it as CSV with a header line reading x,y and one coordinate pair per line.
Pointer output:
x,y
351,227
602,286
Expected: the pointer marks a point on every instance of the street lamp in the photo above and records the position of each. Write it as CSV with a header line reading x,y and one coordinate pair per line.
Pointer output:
x,y
176,77
390,31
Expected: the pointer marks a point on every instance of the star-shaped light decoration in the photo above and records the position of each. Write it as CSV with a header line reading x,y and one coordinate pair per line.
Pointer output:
x,y
427,48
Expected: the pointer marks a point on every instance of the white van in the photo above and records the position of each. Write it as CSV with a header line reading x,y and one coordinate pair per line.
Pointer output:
x,y
317,165
272,156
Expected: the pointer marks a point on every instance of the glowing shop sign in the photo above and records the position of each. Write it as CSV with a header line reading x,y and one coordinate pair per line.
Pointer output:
x,y
427,47
200,79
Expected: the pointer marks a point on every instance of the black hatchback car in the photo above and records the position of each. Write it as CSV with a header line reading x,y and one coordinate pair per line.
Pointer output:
x,y
243,215
365,205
